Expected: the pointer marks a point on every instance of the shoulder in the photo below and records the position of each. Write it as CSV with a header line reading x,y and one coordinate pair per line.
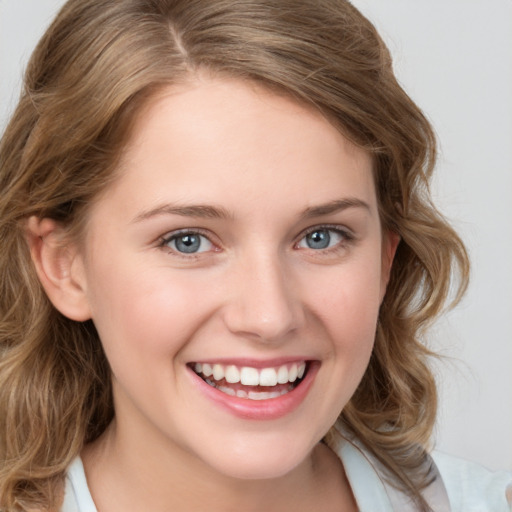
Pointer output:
x,y
458,486
473,488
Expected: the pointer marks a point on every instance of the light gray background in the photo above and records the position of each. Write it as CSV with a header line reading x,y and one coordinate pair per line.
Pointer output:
x,y
455,59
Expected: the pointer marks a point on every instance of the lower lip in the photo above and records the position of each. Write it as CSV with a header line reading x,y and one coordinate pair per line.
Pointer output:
x,y
270,409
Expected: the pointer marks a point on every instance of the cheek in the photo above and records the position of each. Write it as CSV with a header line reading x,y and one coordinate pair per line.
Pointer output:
x,y
348,308
349,301
147,313
345,305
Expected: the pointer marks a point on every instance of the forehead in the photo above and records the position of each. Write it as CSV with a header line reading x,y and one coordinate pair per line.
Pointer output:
x,y
222,139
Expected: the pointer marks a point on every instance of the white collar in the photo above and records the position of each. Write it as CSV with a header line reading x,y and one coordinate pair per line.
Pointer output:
x,y
364,473
371,490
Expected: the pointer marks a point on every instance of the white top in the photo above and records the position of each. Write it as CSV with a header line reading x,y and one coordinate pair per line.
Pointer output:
x,y
462,487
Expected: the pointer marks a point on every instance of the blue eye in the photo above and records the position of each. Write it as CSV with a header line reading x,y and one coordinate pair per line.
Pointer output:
x,y
321,238
188,243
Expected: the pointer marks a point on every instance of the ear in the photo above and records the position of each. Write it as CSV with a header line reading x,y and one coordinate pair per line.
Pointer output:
x,y
390,241
59,267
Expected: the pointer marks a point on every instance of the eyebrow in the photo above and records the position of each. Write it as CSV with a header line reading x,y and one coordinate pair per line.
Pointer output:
x,y
205,211
198,210
334,207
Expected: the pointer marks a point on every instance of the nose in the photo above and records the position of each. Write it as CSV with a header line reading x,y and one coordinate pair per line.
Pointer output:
x,y
263,301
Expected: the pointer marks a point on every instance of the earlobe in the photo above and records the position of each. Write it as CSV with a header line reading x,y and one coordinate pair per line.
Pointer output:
x,y
59,267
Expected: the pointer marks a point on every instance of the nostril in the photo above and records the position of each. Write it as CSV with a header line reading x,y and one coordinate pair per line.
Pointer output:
x,y
261,324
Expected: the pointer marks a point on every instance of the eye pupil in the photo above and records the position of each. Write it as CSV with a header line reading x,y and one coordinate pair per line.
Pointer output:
x,y
319,239
188,243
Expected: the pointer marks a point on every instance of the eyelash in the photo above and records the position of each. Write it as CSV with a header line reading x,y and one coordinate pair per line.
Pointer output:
x,y
166,240
347,237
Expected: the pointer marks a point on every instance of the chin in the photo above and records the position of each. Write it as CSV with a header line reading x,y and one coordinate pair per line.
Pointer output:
x,y
260,471
260,463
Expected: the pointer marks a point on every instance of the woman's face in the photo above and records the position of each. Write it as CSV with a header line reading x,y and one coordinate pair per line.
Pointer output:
x,y
234,273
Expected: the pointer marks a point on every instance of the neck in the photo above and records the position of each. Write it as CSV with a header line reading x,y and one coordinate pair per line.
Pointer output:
x,y
127,476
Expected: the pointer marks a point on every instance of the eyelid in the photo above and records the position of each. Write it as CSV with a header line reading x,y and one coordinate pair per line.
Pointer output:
x,y
347,234
166,239
163,241
328,227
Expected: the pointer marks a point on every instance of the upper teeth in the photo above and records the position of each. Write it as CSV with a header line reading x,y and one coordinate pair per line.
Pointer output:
x,y
249,376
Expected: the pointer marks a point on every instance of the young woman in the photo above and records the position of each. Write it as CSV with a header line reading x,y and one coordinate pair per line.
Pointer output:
x,y
218,256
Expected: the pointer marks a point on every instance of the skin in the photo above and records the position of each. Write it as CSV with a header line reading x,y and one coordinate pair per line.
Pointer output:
x,y
255,290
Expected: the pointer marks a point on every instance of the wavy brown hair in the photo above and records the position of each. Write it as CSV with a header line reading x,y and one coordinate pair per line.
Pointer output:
x,y
90,75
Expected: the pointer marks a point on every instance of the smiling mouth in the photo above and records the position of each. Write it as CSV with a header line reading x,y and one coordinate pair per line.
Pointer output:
x,y
252,383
